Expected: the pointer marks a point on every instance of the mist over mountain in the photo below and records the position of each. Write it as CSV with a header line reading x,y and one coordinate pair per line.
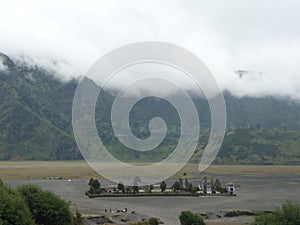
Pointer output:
x,y
36,108
227,36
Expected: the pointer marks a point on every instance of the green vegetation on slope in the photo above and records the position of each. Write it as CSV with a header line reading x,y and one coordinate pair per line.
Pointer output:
x,y
35,115
35,123
260,147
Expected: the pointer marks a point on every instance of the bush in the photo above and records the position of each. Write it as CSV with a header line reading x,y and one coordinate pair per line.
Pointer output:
x,y
13,210
153,221
189,218
45,206
288,214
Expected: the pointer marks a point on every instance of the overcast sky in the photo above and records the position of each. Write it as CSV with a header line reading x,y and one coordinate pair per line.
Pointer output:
x,y
260,36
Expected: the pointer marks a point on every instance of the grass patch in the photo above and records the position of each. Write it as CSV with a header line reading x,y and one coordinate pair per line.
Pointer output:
x,y
26,170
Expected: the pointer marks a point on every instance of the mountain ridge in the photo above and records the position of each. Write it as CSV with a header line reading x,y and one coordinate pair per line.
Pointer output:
x,y
35,122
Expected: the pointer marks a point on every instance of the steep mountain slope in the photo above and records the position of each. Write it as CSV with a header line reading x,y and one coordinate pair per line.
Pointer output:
x,y
35,115
266,112
255,146
35,122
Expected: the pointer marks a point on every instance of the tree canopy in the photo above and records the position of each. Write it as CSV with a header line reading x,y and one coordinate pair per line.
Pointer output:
x,y
163,186
46,207
95,186
288,214
13,210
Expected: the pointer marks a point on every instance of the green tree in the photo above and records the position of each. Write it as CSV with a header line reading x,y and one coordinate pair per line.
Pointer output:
x,y
46,207
151,188
181,184
13,210
218,185
176,186
163,186
189,218
95,186
288,214
121,187
186,183
128,190
135,189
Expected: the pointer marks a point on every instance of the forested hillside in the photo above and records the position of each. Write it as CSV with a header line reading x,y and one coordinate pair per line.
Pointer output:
x,y
35,122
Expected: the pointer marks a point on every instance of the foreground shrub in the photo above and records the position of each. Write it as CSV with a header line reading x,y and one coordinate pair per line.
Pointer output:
x,y
153,221
288,214
189,218
13,210
45,206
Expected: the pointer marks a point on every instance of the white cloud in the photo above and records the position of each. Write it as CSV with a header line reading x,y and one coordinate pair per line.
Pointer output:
x,y
260,36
